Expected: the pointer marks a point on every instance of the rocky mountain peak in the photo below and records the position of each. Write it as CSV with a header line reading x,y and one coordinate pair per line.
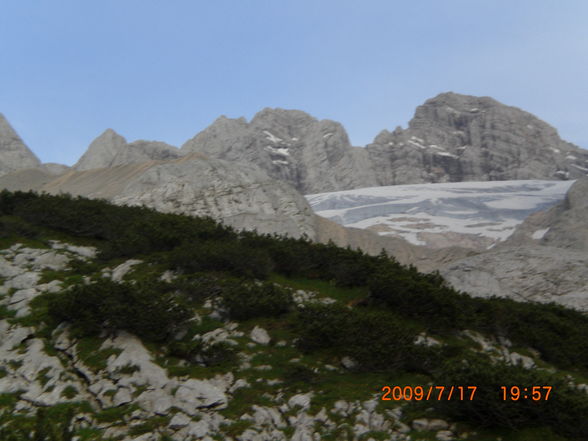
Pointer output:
x,y
101,151
454,137
291,119
14,154
290,145
111,149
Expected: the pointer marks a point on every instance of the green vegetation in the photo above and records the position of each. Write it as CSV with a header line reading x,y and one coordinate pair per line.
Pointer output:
x,y
52,425
146,310
565,408
380,307
245,301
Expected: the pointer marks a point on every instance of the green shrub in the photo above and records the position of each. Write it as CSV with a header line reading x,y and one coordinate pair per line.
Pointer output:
x,y
565,410
142,309
229,256
249,300
376,340
47,425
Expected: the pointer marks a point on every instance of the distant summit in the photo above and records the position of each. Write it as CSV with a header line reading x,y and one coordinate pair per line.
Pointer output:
x,y
451,138
14,154
454,138
111,149
289,145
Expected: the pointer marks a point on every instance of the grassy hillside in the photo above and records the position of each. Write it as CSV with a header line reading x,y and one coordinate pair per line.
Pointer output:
x,y
320,304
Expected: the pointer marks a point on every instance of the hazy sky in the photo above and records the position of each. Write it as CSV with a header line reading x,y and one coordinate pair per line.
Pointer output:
x,y
164,70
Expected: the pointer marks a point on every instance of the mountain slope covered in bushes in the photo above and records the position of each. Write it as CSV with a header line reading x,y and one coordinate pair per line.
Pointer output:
x,y
126,323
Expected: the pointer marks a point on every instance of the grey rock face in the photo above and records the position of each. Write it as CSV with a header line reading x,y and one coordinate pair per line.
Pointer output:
x,y
55,169
451,138
14,154
110,149
529,273
289,145
455,137
544,260
240,195
564,225
25,180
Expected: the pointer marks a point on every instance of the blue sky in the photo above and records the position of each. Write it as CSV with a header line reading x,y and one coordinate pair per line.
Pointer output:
x,y
164,70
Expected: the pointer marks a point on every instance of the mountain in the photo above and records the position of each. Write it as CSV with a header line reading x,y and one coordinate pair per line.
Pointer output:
x,y
240,195
475,215
544,260
172,328
111,149
451,138
454,138
564,225
14,154
289,145
527,240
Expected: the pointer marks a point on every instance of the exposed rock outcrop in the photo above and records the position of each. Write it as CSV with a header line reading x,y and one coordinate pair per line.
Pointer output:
x,y
455,137
451,138
289,145
14,154
544,260
240,195
564,225
54,169
111,149
529,273
25,180
423,258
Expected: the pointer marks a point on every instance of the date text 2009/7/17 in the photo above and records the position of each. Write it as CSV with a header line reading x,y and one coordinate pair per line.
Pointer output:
x,y
427,393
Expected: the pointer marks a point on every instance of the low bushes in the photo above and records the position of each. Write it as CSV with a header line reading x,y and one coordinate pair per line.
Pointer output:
x,y
376,340
565,410
245,301
143,309
229,256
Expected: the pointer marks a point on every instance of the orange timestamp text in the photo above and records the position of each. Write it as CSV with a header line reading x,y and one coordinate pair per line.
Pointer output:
x,y
428,393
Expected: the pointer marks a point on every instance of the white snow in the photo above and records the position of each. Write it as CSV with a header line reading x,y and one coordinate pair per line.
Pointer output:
x,y
485,209
451,155
571,157
294,139
539,233
327,135
280,162
416,144
278,150
271,137
553,149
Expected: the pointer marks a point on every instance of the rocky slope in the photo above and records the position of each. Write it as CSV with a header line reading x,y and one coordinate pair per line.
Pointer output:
x,y
14,154
289,145
451,138
240,195
139,388
544,260
111,149
455,137
564,225
121,387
